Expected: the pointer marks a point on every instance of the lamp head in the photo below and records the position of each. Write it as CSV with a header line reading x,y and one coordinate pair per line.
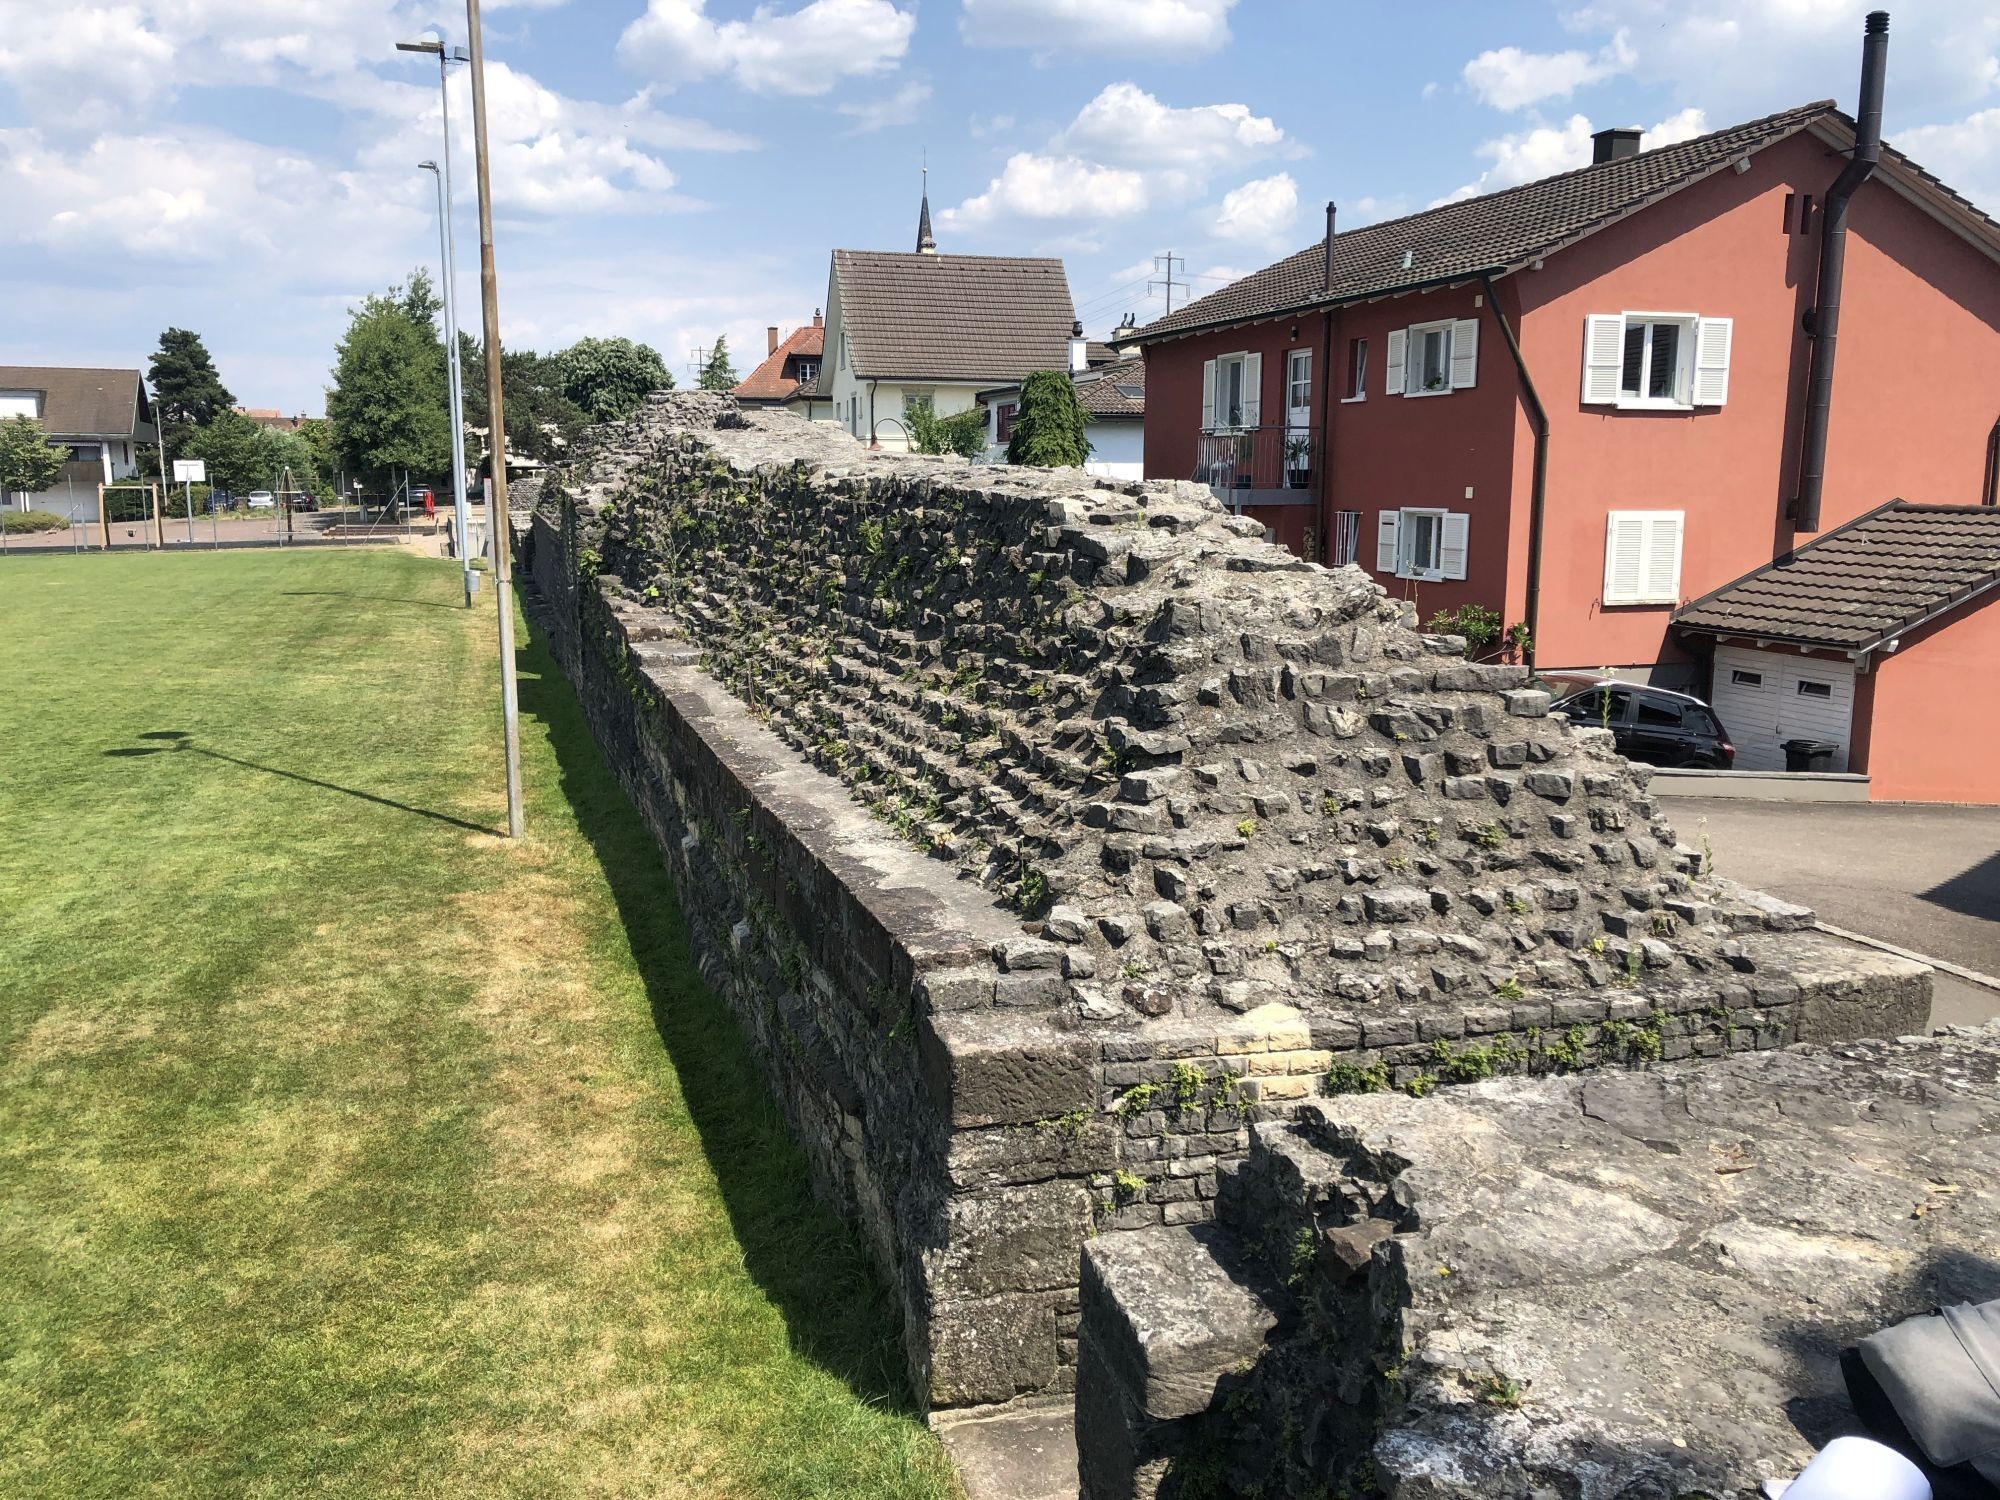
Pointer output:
x,y
430,40
427,166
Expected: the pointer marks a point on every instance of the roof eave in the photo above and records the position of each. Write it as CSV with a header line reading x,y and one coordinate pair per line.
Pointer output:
x,y
1323,304
1925,191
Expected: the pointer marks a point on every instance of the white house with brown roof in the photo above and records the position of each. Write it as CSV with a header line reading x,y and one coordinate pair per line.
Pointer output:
x,y
102,416
907,329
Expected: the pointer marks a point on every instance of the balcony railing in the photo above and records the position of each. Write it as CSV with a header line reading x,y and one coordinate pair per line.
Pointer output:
x,y
1272,465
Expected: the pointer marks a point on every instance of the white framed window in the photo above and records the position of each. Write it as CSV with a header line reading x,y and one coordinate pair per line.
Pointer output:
x,y
1231,387
1299,380
912,400
1420,543
1432,359
1642,556
1658,361
808,368
1357,370
843,351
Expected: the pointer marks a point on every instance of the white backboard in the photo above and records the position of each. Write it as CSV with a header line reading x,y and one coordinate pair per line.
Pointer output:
x,y
190,471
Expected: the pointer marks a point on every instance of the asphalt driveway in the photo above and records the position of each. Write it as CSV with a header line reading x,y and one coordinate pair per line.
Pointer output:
x,y
1926,878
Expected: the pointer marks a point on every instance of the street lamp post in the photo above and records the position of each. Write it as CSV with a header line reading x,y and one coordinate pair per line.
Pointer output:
x,y
496,408
458,500
447,249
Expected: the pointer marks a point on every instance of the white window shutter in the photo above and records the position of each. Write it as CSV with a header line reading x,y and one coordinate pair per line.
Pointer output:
x,y
1603,358
1253,389
1208,396
1624,557
1662,580
1452,546
1464,353
1712,338
1397,362
1386,531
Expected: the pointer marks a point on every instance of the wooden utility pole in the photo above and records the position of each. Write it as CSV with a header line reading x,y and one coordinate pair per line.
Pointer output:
x,y
496,407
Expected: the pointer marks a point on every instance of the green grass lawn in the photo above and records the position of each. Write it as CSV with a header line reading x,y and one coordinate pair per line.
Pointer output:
x,y
346,1148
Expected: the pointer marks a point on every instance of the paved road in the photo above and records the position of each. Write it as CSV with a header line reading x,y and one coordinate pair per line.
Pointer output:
x,y
1924,878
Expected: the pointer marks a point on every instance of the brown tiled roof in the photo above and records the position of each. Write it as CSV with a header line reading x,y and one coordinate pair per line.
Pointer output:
x,y
769,382
1493,232
965,318
1114,390
1859,585
85,402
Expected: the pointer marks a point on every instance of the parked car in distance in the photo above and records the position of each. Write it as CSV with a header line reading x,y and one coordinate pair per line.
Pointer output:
x,y
1652,724
303,502
261,500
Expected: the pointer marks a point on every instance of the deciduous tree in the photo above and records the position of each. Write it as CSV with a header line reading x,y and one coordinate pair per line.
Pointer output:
x,y
28,462
233,447
388,404
606,378
541,419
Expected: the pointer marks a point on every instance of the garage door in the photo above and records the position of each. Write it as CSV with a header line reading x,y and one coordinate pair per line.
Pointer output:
x,y
1765,698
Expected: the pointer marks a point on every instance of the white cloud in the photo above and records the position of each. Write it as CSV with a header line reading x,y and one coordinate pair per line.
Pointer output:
x,y
1684,126
981,126
1508,78
551,153
274,217
1126,126
1260,212
802,52
1744,58
1052,28
1033,186
1125,151
883,110
1530,155
1965,154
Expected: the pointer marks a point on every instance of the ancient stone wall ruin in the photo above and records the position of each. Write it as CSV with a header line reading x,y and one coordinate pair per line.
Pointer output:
x,y
1044,832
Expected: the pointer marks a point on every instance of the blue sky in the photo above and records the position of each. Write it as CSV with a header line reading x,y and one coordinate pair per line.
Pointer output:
x,y
674,170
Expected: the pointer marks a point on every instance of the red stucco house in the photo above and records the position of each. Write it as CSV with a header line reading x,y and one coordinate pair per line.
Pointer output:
x,y
1585,401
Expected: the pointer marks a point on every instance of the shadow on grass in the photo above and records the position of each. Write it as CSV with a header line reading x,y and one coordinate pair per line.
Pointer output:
x,y
179,739
803,1258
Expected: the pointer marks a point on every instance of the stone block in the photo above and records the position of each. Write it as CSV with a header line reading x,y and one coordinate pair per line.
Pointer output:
x,y
991,1350
1170,1313
993,1068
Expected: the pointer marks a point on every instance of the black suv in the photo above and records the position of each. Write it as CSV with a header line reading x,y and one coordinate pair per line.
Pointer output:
x,y
1653,725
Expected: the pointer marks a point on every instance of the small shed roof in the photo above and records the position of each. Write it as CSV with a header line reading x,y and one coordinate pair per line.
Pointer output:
x,y
1862,584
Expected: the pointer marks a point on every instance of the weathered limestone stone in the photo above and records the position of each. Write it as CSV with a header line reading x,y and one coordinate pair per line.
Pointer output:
x,y
1641,1280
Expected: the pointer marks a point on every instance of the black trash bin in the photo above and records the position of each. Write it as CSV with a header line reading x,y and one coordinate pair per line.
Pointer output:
x,y
1809,755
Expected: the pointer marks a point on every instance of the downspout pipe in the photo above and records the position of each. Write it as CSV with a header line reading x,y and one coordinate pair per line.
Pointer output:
x,y
1824,327
1538,485
1327,400
1989,493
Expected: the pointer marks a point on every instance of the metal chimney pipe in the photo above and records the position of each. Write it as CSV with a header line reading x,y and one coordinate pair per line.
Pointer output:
x,y
1328,286
1825,316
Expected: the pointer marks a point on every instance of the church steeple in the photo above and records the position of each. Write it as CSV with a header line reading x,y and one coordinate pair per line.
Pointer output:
x,y
926,245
